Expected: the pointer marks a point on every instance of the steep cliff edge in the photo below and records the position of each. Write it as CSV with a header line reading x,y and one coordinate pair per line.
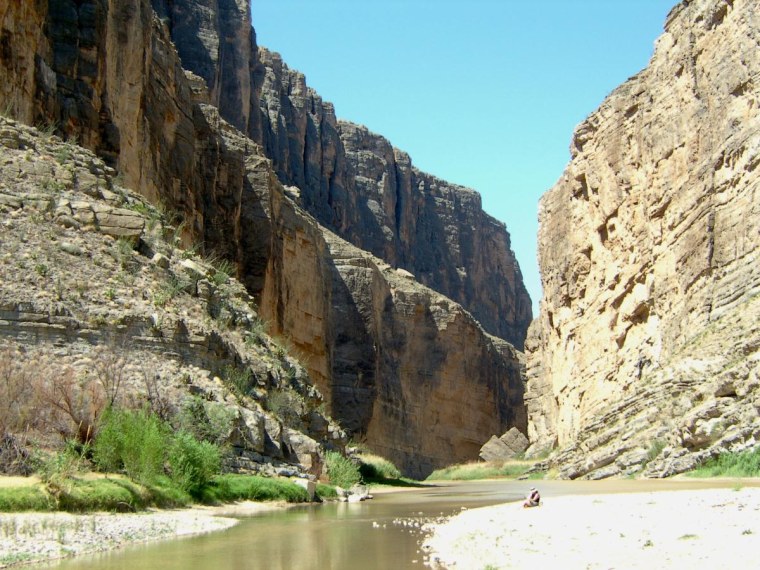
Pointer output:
x,y
351,180
648,246
106,75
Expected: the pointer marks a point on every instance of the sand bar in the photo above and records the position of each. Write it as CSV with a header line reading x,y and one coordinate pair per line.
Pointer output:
x,y
716,528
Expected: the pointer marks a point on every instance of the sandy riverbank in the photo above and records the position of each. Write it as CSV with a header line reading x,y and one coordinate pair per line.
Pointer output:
x,y
716,528
36,537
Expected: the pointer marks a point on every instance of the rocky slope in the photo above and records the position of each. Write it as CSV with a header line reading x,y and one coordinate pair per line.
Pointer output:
x,y
392,357
351,180
647,336
99,306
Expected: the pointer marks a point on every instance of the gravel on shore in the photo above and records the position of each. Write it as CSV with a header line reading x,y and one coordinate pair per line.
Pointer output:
x,y
38,537
706,529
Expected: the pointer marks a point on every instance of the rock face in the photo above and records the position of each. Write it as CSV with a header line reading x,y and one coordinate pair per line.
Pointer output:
x,y
96,303
395,360
390,355
508,446
353,181
648,246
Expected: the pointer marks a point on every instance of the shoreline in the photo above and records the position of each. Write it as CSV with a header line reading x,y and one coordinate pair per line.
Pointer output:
x,y
711,528
33,538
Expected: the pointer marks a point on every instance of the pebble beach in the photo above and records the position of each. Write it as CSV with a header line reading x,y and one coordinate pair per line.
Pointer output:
x,y
36,537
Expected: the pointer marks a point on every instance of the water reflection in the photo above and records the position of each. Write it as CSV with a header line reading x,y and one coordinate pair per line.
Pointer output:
x,y
372,535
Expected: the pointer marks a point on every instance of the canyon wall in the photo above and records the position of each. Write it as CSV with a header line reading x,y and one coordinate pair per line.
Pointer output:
x,y
404,368
644,354
350,179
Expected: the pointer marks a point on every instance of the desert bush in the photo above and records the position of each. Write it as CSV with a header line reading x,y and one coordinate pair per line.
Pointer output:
x,y
69,403
288,405
240,380
206,421
57,469
109,366
341,471
16,378
223,270
158,403
134,442
193,463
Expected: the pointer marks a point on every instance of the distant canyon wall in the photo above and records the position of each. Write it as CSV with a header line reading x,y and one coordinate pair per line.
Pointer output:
x,y
350,179
395,359
648,248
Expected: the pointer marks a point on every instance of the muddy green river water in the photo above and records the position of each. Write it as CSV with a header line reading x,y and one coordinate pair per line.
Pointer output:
x,y
381,533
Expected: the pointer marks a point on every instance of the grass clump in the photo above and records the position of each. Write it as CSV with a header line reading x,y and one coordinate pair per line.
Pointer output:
x,y
341,471
484,470
374,468
326,491
104,495
232,487
655,449
27,498
743,464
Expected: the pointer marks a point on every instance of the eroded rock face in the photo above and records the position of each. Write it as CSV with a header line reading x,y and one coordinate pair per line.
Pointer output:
x,y
647,245
391,355
353,181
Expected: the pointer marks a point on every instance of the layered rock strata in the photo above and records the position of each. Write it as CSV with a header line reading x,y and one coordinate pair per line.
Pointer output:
x,y
96,302
107,75
351,180
648,245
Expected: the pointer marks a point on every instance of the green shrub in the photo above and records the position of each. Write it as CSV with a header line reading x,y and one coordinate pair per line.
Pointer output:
x,y
134,442
193,463
341,471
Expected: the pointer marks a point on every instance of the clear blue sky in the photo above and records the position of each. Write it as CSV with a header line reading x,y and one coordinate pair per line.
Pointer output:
x,y
484,93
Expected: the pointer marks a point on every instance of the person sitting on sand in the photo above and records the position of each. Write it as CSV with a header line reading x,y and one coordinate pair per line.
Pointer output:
x,y
533,500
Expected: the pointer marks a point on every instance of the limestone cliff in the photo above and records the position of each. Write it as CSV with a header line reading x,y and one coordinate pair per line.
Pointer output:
x,y
106,75
648,249
351,180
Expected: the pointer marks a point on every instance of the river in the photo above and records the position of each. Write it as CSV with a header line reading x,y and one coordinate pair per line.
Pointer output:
x,y
382,533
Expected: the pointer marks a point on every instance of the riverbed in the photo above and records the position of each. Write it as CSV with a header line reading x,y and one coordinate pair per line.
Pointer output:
x,y
386,532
